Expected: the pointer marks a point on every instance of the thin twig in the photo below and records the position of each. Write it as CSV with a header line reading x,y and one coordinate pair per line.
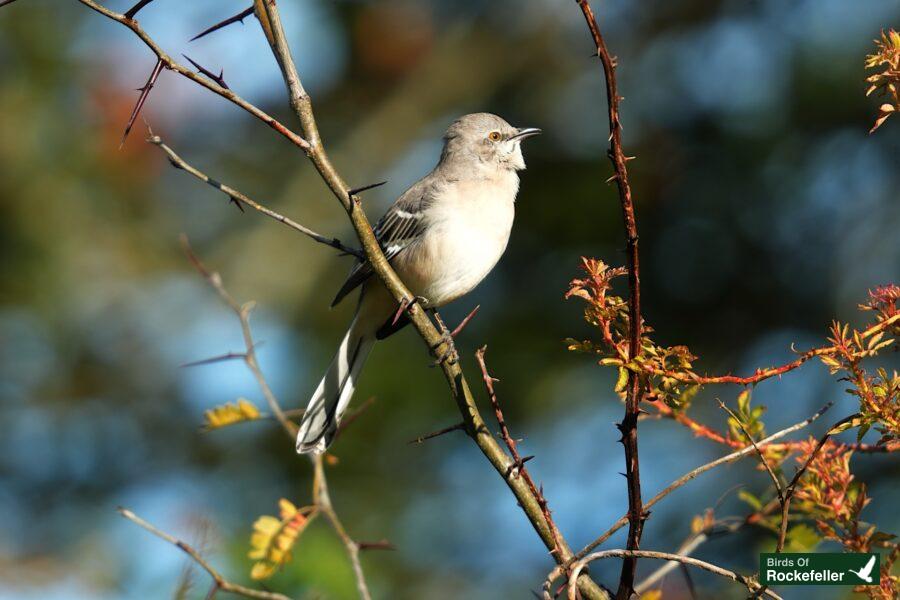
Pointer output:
x,y
145,93
789,490
762,457
628,427
465,321
728,458
439,432
323,502
173,65
353,416
751,584
220,582
243,313
321,496
238,196
686,549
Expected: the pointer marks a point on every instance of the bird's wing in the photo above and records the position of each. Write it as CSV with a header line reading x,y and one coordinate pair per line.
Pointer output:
x,y
401,226
864,573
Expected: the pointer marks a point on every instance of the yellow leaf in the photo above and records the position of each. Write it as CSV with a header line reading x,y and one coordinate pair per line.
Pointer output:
x,y
229,414
652,595
273,539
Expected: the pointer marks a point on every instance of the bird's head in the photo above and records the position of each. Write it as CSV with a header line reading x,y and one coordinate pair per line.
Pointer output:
x,y
486,141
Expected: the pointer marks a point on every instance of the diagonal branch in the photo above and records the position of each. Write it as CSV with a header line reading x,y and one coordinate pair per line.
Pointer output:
x,y
628,427
779,490
270,21
169,63
235,195
792,485
220,583
145,93
243,313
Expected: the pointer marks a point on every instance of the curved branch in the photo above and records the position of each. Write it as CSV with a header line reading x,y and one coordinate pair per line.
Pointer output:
x,y
752,585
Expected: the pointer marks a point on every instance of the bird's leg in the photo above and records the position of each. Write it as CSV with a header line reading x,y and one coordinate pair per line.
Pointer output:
x,y
450,352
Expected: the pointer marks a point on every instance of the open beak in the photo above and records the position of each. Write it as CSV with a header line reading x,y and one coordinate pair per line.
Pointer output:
x,y
525,132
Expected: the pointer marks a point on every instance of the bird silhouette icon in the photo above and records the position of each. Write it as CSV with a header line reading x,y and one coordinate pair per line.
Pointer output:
x,y
866,572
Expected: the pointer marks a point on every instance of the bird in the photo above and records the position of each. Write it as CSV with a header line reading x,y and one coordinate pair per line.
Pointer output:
x,y
442,236
866,572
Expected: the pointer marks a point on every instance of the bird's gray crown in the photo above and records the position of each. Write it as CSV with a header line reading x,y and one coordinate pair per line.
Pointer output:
x,y
485,143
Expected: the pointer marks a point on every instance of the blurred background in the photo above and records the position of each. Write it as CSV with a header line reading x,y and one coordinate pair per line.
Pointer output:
x,y
764,208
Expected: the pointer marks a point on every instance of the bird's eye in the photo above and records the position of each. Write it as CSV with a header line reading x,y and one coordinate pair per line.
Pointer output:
x,y
494,136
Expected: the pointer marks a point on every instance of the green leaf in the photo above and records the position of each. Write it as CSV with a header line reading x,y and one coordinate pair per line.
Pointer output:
x,y
802,538
750,499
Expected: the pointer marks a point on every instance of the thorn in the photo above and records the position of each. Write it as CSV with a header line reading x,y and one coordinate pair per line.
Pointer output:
x,y
234,201
145,92
628,158
404,304
215,359
5,2
353,191
612,178
464,322
437,433
623,475
379,545
238,18
515,468
219,79
129,14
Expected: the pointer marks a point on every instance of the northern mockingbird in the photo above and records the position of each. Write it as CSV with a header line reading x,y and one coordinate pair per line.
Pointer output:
x,y
442,237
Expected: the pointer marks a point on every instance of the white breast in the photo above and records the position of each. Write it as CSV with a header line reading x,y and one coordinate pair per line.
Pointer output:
x,y
468,234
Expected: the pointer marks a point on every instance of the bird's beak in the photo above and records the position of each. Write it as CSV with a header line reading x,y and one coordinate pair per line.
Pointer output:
x,y
525,132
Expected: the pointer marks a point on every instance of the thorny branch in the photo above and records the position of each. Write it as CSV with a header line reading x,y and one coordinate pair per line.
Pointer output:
x,y
518,469
628,427
268,15
237,196
169,63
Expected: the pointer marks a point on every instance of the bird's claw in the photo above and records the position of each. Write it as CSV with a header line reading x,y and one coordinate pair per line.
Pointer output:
x,y
449,354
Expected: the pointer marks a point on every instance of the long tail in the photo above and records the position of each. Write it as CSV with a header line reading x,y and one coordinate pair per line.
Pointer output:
x,y
331,398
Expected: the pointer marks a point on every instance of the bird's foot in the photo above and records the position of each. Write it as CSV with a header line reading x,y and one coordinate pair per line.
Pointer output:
x,y
449,354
